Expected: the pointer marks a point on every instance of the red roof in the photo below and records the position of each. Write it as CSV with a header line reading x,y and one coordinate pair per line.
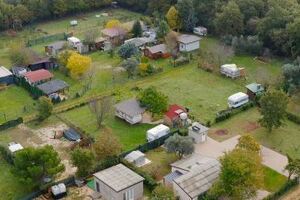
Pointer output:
x,y
38,75
174,111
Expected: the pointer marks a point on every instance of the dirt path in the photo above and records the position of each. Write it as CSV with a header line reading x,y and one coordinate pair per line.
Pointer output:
x,y
293,195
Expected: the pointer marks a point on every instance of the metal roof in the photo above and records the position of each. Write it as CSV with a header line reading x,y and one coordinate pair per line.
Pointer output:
x,y
4,72
38,75
192,161
255,87
198,128
53,86
130,107
134,155
173,175
118,177
158,48
186,39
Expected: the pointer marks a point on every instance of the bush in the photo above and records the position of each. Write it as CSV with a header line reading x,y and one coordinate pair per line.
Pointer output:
x,y
128,50
247,45
181,61
292,117
283,190
6,155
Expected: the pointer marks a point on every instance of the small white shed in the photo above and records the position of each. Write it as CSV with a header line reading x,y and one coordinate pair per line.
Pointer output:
x,y
157,132
198,132
14,147
202,31
188,43
73,41
59,190
231,70
137,158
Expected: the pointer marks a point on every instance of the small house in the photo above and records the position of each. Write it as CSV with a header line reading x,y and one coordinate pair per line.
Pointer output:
x,y
138,42
18,71
198,132
14,147
53,89
193,176
175,115
137,158
200,30
59,191
254,90
54,48
100,43
188,43
130,110
6,77
232,71
238,99
38,77
157,132
41,63
156,52
73,42
119,183
115,35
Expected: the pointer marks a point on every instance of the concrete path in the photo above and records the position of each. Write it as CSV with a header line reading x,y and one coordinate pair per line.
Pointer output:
x,y
215,149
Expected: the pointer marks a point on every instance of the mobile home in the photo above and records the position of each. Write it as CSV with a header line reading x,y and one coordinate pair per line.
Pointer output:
x,y
237,100
157,132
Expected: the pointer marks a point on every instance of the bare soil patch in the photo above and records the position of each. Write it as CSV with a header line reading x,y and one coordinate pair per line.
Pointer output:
x,y
221,132
251,126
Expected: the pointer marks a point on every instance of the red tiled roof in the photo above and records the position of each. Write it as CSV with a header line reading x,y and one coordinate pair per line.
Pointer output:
x,y
171,113
38,75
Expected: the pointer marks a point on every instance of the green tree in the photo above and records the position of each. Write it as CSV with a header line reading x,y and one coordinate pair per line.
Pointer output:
x,y
45,108
161,192
19,55
137,30
90,37
173,19
32,165
240,177
181,145
230,20
273,109
291,74
101,109
248,143
293,30
293,167
83,159
187,14
128,50
130,65
155,101
163,29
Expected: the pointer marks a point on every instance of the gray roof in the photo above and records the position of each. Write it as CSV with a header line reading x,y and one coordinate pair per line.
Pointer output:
x,y
53,86
137,41
192,161
173,175
57,45
134,155
118,177
255,88
198,128
158,48
200,179
130,107
186,39
4,72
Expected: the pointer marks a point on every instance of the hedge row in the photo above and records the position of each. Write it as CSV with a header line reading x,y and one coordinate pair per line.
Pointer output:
x,y
6,155
226,114
292,117
11,123
283,190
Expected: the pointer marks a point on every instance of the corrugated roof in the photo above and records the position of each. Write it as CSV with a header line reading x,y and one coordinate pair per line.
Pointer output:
x,y
38,75
186,39
171,113
173,175
53,86
130,107
255,88
118,177
161,48
134,155
4,72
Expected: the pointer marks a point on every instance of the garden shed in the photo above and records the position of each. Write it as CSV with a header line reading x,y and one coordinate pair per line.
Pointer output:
x,y
137,158
53,88
54,48
41,63
18,71
157,51
198,132
254,89
6,77
115,35
188,43
231,70
174,116
130,110
38,77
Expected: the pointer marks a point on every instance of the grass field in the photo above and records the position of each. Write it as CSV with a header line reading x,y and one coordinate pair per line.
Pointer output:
x,y
273,181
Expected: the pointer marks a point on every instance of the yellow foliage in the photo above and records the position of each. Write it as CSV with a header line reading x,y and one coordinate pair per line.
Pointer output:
x,y
143,66
78,64
173,18
113,23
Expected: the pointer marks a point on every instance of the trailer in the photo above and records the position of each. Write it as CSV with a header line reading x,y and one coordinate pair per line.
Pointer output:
x,y
157,132
231,70
237,100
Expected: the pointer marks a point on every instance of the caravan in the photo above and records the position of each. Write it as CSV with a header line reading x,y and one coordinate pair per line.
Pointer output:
x,y
237,100
157,132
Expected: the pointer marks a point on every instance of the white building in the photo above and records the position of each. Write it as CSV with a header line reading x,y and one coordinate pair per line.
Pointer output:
x,y
130,111
238,99
202,31
137,158
188,43
157,132
193,176
119,183
14,147
74,42
198,132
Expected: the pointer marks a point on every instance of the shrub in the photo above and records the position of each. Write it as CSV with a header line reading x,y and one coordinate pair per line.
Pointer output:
x,y
283,190
6,155
292,117
226,114
181,61
247,45
128,50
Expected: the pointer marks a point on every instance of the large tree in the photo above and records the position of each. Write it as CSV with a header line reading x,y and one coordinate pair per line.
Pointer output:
x,y
248,143
173,18
33,165
291,73
273,109
130,65
181,145
137,30
45,107
230,20
163,29
187,14
128,50
78,65
83,159
101,109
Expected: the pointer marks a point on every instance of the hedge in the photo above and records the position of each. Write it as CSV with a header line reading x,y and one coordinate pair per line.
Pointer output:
x,y
11,123
292,117
226,114
283,190
6,155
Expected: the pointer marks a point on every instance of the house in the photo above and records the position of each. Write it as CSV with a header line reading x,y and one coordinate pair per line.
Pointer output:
x,y
193,176
175,115
254,90
14,147
198,132
18,71
137,158
188,43
54,48
157,51
130,110
38,77
119,183
115,35
200,30
6,77
232,71
138,42
41,63
73,42
53,88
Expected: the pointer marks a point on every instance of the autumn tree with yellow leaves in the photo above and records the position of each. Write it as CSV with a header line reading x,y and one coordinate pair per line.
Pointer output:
x,y
173,18
78,64
114,23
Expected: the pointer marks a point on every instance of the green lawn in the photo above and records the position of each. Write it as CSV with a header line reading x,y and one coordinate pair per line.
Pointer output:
x,y
273,181
130,135
15,102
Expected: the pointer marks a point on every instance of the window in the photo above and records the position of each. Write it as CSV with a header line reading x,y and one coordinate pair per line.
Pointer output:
x,y
129,195
97,187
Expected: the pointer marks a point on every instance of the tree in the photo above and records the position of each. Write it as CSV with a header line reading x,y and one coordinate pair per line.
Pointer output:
x,y
293,30
163,29
291,73
248,143
83,159
293,167
187,15
128,50
90,37
78,64
106,146
20,55
33,165
181,145
155,101
230,20
240,177
137,30
162,192
130,65
101,109
273,109
173,18
114,23
45,107
171,43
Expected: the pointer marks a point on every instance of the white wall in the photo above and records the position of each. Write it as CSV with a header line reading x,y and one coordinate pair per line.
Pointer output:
x,y
189,47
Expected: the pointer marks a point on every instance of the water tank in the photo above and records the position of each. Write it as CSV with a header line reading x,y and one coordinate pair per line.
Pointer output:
x,y
183,116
